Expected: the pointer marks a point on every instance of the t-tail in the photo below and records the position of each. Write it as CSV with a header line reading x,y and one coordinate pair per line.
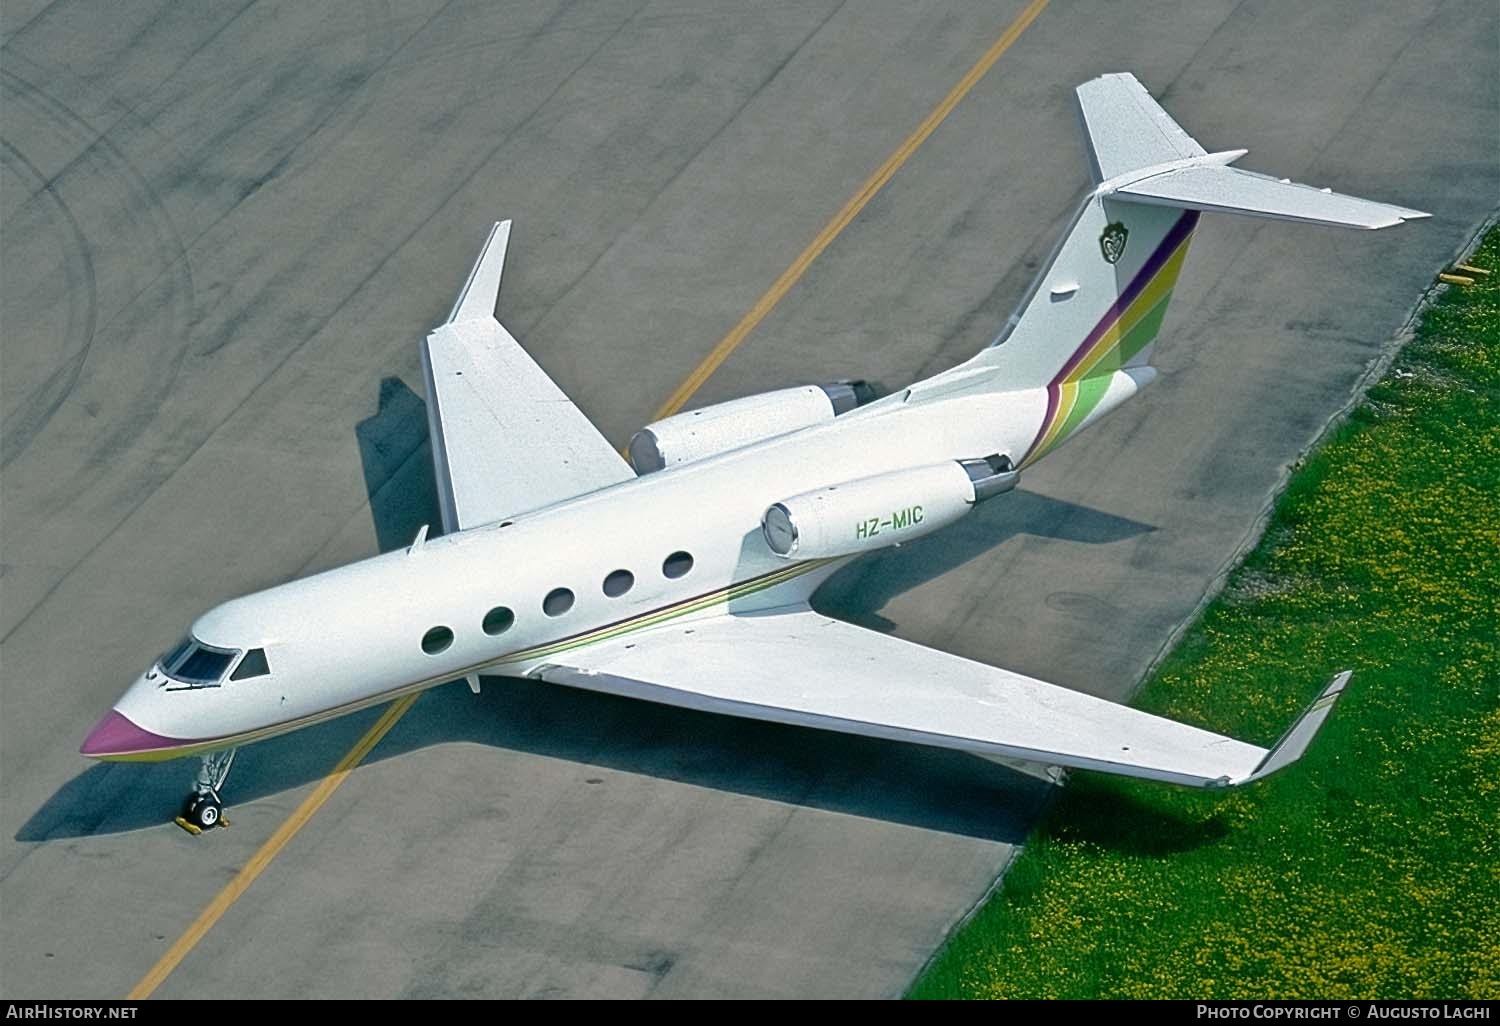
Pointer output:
x,y
1086,328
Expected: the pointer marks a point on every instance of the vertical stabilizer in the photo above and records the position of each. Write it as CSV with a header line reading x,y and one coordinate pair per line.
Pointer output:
x,y
1097,308
1126,129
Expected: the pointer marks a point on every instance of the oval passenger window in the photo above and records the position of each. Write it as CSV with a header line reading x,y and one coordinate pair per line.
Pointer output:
x,y
437,640
557,602
498,621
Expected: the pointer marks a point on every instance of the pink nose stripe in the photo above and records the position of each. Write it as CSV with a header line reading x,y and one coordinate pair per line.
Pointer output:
x,y
116,735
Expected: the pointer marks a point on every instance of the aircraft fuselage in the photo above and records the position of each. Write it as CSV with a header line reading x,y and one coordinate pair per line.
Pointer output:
x,y
353,637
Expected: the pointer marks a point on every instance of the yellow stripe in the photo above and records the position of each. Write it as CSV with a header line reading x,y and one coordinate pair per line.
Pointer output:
x,y
1143,304
679,398
657,617
1139,308
648,619
268,851
1067,394
779,288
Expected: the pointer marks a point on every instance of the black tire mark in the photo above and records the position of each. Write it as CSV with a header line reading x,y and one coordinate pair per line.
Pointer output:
x,y
98,543
167,242
46,9
380,47
79,339
102,137
644,207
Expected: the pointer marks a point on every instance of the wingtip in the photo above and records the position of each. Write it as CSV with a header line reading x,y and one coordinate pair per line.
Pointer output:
x,y
1400,215
1301,733
482,289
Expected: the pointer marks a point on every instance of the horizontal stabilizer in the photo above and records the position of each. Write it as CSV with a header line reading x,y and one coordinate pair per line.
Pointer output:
x,y
1100,303
1231,190
1139,154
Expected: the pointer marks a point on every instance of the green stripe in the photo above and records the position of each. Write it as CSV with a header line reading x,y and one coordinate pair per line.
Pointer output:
x,y
657,617
1140,335
651,618
1090,391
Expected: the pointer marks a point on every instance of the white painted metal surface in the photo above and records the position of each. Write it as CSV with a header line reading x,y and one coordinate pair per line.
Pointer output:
x,y
505,439
562,564
869,513
802,668
696,434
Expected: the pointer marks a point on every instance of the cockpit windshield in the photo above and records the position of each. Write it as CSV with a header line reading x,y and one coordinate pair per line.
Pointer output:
x,y
196,664
177,653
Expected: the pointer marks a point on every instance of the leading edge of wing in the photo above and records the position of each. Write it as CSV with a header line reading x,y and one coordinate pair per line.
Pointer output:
x,y
797,667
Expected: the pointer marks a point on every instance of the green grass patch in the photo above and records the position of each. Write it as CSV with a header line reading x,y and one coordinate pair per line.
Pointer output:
x,y
1370,869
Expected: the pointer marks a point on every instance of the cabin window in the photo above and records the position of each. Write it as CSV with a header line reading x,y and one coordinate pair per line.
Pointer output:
x,y
618,583
437,640
557,602
253,665
498,621
677,565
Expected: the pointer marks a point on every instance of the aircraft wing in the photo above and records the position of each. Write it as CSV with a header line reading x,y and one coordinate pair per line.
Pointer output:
x,y
798,667
505,439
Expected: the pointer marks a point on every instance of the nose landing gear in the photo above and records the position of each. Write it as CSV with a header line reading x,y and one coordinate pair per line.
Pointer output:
x,y
203,808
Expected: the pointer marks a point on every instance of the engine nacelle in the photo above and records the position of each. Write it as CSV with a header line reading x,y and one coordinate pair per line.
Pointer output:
x,y
887,509
695,434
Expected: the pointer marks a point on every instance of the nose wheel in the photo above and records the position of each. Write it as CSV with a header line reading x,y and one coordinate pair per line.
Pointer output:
x,y
204,809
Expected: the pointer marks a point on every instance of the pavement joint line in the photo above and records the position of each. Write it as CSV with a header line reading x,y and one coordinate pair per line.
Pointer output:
x,y
866,192
268,851
304,812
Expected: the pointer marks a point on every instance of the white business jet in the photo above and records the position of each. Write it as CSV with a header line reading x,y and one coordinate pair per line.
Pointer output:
x,y
683,576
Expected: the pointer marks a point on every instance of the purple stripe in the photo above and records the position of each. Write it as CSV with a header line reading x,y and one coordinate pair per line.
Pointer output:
x,y
1054,396
1178,232
1174,237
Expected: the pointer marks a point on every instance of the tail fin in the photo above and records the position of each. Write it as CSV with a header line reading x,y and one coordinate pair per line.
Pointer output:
x,y
1097,307
1126,129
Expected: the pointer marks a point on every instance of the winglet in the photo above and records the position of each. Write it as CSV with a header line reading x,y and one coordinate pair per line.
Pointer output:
x,y
476,301
1295,741
418,541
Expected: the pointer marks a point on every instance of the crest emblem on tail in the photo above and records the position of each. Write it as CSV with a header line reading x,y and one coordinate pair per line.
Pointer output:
x,y
1112,242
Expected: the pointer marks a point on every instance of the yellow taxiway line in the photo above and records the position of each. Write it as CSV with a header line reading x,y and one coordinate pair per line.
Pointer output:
x,y
180,948
782,285
268,851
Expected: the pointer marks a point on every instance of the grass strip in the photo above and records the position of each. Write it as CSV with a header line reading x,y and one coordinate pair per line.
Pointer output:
x,y
1371,869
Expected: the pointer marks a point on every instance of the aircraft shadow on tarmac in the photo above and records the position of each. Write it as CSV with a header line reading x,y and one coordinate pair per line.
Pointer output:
x,y
929,788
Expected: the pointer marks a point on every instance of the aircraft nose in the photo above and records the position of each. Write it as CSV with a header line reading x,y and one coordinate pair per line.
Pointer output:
x,y
116,734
